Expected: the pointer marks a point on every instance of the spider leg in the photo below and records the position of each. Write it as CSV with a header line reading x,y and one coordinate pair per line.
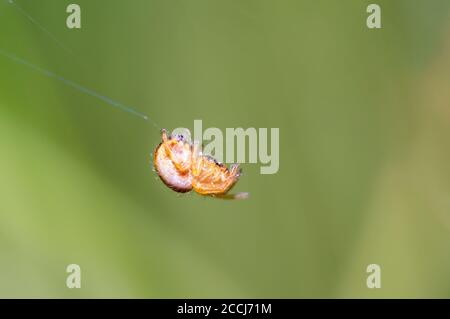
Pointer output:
x,y
237,196
164,135
181,165
196,159
235,171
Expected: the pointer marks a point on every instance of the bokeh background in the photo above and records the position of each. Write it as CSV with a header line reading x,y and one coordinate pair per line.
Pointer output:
x,y
364,118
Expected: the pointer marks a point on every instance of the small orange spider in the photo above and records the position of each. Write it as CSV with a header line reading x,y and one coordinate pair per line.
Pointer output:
x,y
182,167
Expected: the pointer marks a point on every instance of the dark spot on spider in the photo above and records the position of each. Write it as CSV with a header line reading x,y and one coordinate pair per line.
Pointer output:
x,y
215,161
219,164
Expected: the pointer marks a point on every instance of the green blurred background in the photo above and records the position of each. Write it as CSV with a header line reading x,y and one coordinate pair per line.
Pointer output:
x,y
364,118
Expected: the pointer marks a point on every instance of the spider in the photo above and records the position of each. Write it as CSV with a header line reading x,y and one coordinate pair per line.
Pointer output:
x,y
183,168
